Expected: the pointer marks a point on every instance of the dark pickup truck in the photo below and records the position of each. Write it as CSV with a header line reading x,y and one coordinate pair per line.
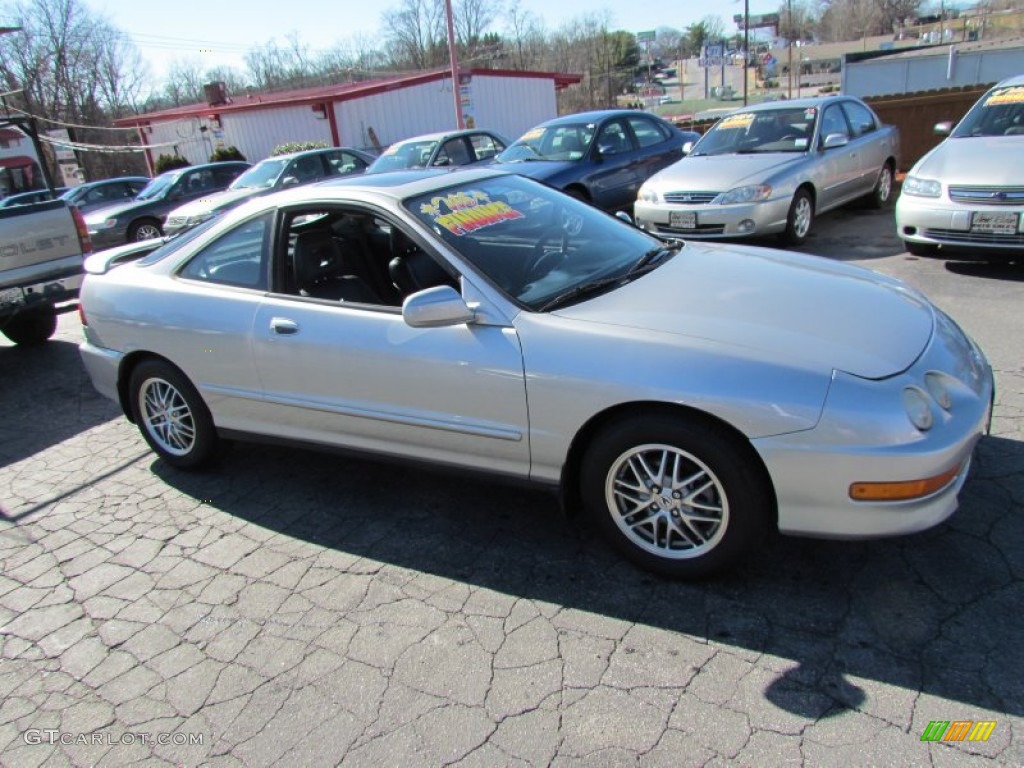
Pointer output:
x,y
42,248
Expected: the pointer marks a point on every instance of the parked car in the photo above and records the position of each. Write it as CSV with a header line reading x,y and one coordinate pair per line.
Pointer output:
x,y
35,196
97,194
689,396
772,169
448,148
143,217
602,157
968,192
270,175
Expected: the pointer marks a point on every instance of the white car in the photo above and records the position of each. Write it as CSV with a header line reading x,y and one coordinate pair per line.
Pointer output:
x,y
967,194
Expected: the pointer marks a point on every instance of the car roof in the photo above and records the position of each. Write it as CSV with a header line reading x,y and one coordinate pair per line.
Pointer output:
x,y
315,151
595,115
439,135
1015,80
178,171
402,184
805,103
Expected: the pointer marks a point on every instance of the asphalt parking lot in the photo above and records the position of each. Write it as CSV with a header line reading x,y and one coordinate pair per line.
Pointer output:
x,y
305,609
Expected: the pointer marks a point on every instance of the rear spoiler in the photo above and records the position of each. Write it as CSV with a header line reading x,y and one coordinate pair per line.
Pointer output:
x,y
102,262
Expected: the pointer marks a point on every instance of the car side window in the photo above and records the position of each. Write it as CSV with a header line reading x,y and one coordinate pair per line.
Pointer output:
x,y
342,163
221,177
237,257
135,187
647,132
833,121
860,118
453,152
613,139
485,146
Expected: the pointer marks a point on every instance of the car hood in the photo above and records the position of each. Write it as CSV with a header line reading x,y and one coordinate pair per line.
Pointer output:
x,y
791,309
720,173
216,201
536,169
986,161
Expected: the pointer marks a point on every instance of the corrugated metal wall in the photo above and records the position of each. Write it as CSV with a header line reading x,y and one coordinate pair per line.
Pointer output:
x,y
507,105
885,76
256,133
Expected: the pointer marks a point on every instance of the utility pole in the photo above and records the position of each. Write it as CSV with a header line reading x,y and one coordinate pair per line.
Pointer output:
x,y
789,44
454,56
746,47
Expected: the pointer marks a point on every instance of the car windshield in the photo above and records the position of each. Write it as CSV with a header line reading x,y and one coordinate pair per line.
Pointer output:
x,y
999,113
772,130
260,176
537,245
157,187
403,155
566,141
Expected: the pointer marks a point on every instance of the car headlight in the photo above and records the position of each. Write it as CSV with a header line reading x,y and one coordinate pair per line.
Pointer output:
x,y
105,224
919,408
751,194
915,185
648,195
191,221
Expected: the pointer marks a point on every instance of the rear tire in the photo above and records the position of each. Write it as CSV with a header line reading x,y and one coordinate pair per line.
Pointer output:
x,y
678,496
147,229
31,326
172,416
882,193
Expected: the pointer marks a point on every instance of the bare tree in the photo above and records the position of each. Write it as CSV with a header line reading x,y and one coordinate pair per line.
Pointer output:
x,y
415,33
525,35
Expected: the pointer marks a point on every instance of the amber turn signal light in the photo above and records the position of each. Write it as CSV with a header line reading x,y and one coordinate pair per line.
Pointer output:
x,y
903,490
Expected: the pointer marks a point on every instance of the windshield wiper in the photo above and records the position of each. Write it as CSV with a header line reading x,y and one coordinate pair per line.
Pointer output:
x,y
653,257
650,261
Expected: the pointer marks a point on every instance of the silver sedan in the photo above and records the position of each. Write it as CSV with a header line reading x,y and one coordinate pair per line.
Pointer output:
x,y
772,168
688,397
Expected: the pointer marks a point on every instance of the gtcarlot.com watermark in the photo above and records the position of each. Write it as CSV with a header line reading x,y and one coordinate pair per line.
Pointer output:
x,y
110,738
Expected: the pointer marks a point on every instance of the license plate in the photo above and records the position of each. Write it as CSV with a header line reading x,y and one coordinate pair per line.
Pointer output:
x,y
682,219
995,223
10,296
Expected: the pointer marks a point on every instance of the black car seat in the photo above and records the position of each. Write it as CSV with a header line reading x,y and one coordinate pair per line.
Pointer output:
x,y
319,271
412,269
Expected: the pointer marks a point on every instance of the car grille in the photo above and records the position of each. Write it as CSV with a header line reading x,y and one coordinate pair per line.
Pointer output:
x,y
986,238
702,229
693,198
988,195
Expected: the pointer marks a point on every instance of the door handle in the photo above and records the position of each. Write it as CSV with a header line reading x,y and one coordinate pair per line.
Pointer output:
x,y
283,326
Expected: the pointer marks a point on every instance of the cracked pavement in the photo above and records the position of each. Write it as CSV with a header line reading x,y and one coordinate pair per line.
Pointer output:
x,y
305,609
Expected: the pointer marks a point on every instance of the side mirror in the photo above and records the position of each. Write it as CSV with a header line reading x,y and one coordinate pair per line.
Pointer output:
x,y
289,181
435,308
623,216
834,140
687,147
944,128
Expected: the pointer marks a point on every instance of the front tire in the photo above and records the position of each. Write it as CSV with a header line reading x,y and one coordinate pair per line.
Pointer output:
x,y
799,219
30,327
172,416
678,496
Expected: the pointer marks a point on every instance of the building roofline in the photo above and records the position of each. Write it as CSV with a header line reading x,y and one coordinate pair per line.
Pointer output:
x,y
331,93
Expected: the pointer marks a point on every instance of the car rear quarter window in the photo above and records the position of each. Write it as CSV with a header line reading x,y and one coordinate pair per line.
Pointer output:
x,y
235,258
647,132
485,146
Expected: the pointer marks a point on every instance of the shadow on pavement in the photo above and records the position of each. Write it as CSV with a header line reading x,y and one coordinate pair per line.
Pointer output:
x,y
45,398
992,270
937,612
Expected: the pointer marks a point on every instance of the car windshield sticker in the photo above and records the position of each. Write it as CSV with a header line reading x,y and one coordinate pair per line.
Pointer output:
x,y
737,121
800,143
1006,96
390,150
464,212
809,113
534,133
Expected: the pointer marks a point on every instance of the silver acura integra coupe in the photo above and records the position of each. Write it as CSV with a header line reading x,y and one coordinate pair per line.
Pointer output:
x,y
688,396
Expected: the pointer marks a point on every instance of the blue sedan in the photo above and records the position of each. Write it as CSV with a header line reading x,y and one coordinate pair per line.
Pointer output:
x,y
601,157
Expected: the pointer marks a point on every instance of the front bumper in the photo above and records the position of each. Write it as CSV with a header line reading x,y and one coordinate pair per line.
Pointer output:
x,y
939,221
714,221
862,438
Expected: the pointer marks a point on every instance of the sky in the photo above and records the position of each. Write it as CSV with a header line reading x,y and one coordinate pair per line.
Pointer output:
x,y
218,32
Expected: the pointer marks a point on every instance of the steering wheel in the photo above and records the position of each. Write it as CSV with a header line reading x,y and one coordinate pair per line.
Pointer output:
x,y
788,137
544,260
